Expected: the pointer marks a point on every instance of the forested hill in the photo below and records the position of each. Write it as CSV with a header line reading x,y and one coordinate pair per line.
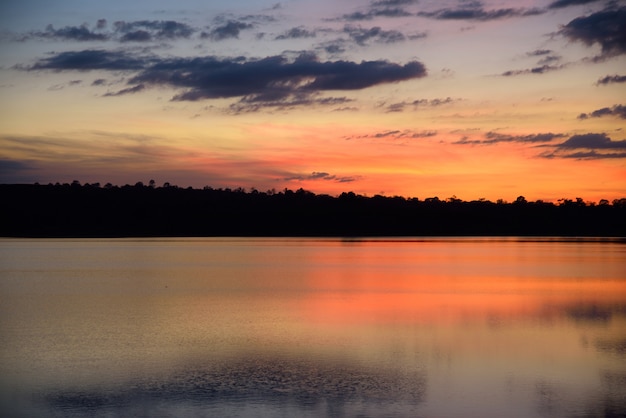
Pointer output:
x,y
146,211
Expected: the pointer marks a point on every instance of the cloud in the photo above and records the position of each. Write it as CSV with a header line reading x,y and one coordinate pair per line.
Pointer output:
x,y
74,33
129,90
296,33
495,138
136,36
90,59
133,31
592,141
588,155
381,8
362,36
611,79
391,3
272,78
397,134
320,175
539,52
401,106
594,146
566,3
606,28
617,110
273,81
535,70
386,12
547,56
290,101
140,30
476,12
230,29
63,85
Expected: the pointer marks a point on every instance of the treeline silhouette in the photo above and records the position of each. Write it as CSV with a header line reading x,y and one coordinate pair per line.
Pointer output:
x,y
91,210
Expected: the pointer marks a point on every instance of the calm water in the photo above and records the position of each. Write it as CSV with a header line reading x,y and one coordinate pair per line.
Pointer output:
x,y
313,327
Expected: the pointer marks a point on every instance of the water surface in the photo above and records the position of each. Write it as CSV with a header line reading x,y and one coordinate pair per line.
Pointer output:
x,y
313,327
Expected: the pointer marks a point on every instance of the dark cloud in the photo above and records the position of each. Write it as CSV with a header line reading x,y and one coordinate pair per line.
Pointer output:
x,y
159,29
296,33
99,82
361,36
592,141
133,31
612,79
90,59
136,36
391,3
230,29
269,82
476,12
617,110
495,138
593,145
320,175
566,3
588,155
129,90
73,33
371,14
334,48
606,28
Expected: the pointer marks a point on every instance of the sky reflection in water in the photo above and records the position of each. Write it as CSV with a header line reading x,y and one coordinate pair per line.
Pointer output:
x,y
313,328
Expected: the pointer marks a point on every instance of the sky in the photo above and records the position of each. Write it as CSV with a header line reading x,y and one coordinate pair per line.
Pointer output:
x,y
473,99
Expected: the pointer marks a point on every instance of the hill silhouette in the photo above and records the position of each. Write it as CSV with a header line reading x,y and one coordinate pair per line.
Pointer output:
x,y
89,210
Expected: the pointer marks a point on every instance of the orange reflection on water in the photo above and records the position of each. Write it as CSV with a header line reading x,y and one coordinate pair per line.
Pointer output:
x,y
367,307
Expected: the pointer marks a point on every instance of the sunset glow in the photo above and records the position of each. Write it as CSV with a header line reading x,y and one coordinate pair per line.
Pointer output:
x,y
488,99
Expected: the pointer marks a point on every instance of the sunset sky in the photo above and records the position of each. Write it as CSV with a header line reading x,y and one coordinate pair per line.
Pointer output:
x,y
421,98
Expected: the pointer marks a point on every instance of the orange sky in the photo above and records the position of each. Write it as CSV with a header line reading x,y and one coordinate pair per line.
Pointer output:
x,y
482,100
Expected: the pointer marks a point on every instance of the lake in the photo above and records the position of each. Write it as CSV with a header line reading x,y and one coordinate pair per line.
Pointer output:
x,y
471,327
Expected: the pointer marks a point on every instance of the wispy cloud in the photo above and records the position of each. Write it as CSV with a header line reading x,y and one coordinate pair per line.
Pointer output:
x,y
296,33
402,106
362,36
396,134
492,138
609,79
617,110
320,175
381,8
144,30
476,12
559,4
129,90
122,31
542,69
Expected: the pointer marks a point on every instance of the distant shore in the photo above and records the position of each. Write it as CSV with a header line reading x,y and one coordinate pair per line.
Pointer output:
x,y
89,210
